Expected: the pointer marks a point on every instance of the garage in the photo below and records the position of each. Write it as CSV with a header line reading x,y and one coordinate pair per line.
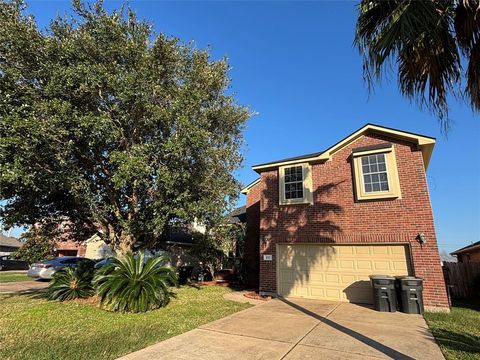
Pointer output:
x,y
337,272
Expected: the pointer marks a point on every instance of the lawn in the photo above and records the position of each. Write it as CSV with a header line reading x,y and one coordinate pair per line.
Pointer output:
x,y
34,328
13,277
457,333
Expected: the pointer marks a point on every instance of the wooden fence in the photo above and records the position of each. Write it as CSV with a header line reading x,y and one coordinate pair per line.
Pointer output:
x,y
463,279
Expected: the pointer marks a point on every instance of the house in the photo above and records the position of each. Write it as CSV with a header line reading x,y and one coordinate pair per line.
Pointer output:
x,y
69,248
96,248
8,245
470,253
319,224
238,215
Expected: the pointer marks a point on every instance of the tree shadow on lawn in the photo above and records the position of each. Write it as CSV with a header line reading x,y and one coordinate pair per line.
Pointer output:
x,y
455,341
30,293
472,304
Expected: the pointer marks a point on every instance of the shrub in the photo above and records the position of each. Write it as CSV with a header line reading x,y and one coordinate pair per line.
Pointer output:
x,y
69,284
37,246
130,284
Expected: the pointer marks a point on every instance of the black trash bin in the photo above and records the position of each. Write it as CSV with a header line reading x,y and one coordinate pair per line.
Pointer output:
x,y
410,294
384,296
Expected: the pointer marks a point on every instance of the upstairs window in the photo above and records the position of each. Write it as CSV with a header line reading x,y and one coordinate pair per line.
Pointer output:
x,y
375,176
375,172
295,184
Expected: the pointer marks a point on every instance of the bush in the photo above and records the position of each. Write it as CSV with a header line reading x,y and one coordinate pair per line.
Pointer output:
x,y
69,284
130,284
37,246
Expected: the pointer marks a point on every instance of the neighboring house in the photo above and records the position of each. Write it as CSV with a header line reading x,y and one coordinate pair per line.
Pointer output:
x,y
470,253
177,243
319,224
96,248
69,248
238,215
8,245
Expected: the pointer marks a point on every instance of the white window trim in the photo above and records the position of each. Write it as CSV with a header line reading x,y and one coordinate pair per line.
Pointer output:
x,y
392,176
307,185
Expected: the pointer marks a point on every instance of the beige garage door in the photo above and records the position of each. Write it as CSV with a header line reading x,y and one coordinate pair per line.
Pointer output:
x,y
337,272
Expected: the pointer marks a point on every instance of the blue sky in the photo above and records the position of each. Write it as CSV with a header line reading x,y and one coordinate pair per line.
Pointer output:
x,y
294,64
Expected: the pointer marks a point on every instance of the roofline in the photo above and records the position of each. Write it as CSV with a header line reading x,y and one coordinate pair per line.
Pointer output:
x,y
426,144
293,158
249,186
466,248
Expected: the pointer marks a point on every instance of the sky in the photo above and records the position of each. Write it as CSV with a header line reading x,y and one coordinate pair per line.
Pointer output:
x,y
295,66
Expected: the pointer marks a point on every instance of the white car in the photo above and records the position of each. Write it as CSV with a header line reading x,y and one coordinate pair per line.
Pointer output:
x,y
46,269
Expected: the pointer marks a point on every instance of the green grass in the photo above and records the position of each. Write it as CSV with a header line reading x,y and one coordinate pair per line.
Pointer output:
x,y
34,328
457,333
13,277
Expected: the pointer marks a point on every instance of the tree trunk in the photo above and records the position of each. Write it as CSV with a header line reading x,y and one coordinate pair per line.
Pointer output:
x,y
125,244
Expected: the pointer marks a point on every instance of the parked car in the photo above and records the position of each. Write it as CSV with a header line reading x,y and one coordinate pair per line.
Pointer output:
x,y
46,269
103,262
9,263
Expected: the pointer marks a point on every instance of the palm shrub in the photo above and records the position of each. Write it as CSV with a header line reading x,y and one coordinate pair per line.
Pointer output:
x,y
69,284
129,284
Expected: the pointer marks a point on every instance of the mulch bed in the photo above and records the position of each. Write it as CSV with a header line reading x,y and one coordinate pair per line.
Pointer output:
x,y
256,296
232,284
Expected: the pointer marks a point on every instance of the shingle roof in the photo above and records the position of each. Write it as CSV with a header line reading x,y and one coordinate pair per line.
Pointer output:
x,y
422,140
238,215
293,158
9,241
468,247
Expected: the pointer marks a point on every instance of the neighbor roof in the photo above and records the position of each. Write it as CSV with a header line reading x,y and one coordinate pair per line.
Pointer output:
x,y
467,248
425,143
238,215
9,241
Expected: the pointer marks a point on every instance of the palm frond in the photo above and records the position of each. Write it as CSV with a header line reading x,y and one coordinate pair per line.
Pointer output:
x,y
415,36
132,284
467,28
69,284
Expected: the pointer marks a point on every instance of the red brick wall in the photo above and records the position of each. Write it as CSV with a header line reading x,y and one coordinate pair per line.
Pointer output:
x,y
252,237
335,216
66,248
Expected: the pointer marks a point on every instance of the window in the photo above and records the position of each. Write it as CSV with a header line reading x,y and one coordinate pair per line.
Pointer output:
x,y
69,261
375,172
295,184
375,176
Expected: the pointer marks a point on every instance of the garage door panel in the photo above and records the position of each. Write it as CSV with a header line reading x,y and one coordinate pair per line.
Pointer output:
x,y
381,265
317,277
400,265
362,250
364,265
348,279
337,272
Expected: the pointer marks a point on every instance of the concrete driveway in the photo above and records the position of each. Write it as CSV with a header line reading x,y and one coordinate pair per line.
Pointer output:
x,y
22,286
302,329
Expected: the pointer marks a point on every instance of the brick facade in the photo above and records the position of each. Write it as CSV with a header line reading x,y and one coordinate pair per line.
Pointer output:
x,y
252,237
335,216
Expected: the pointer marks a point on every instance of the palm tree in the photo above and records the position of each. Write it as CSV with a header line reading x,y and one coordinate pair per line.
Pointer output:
x,y
428,41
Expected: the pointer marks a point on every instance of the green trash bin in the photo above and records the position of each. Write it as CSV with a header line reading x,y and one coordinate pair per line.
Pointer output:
x,y
384,295
410,294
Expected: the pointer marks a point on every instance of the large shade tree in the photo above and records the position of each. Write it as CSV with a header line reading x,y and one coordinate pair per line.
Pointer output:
x,y
106,124
427,42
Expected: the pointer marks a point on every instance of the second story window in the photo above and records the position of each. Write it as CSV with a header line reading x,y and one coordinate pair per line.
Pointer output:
x,y
375,176
293,182
375,173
